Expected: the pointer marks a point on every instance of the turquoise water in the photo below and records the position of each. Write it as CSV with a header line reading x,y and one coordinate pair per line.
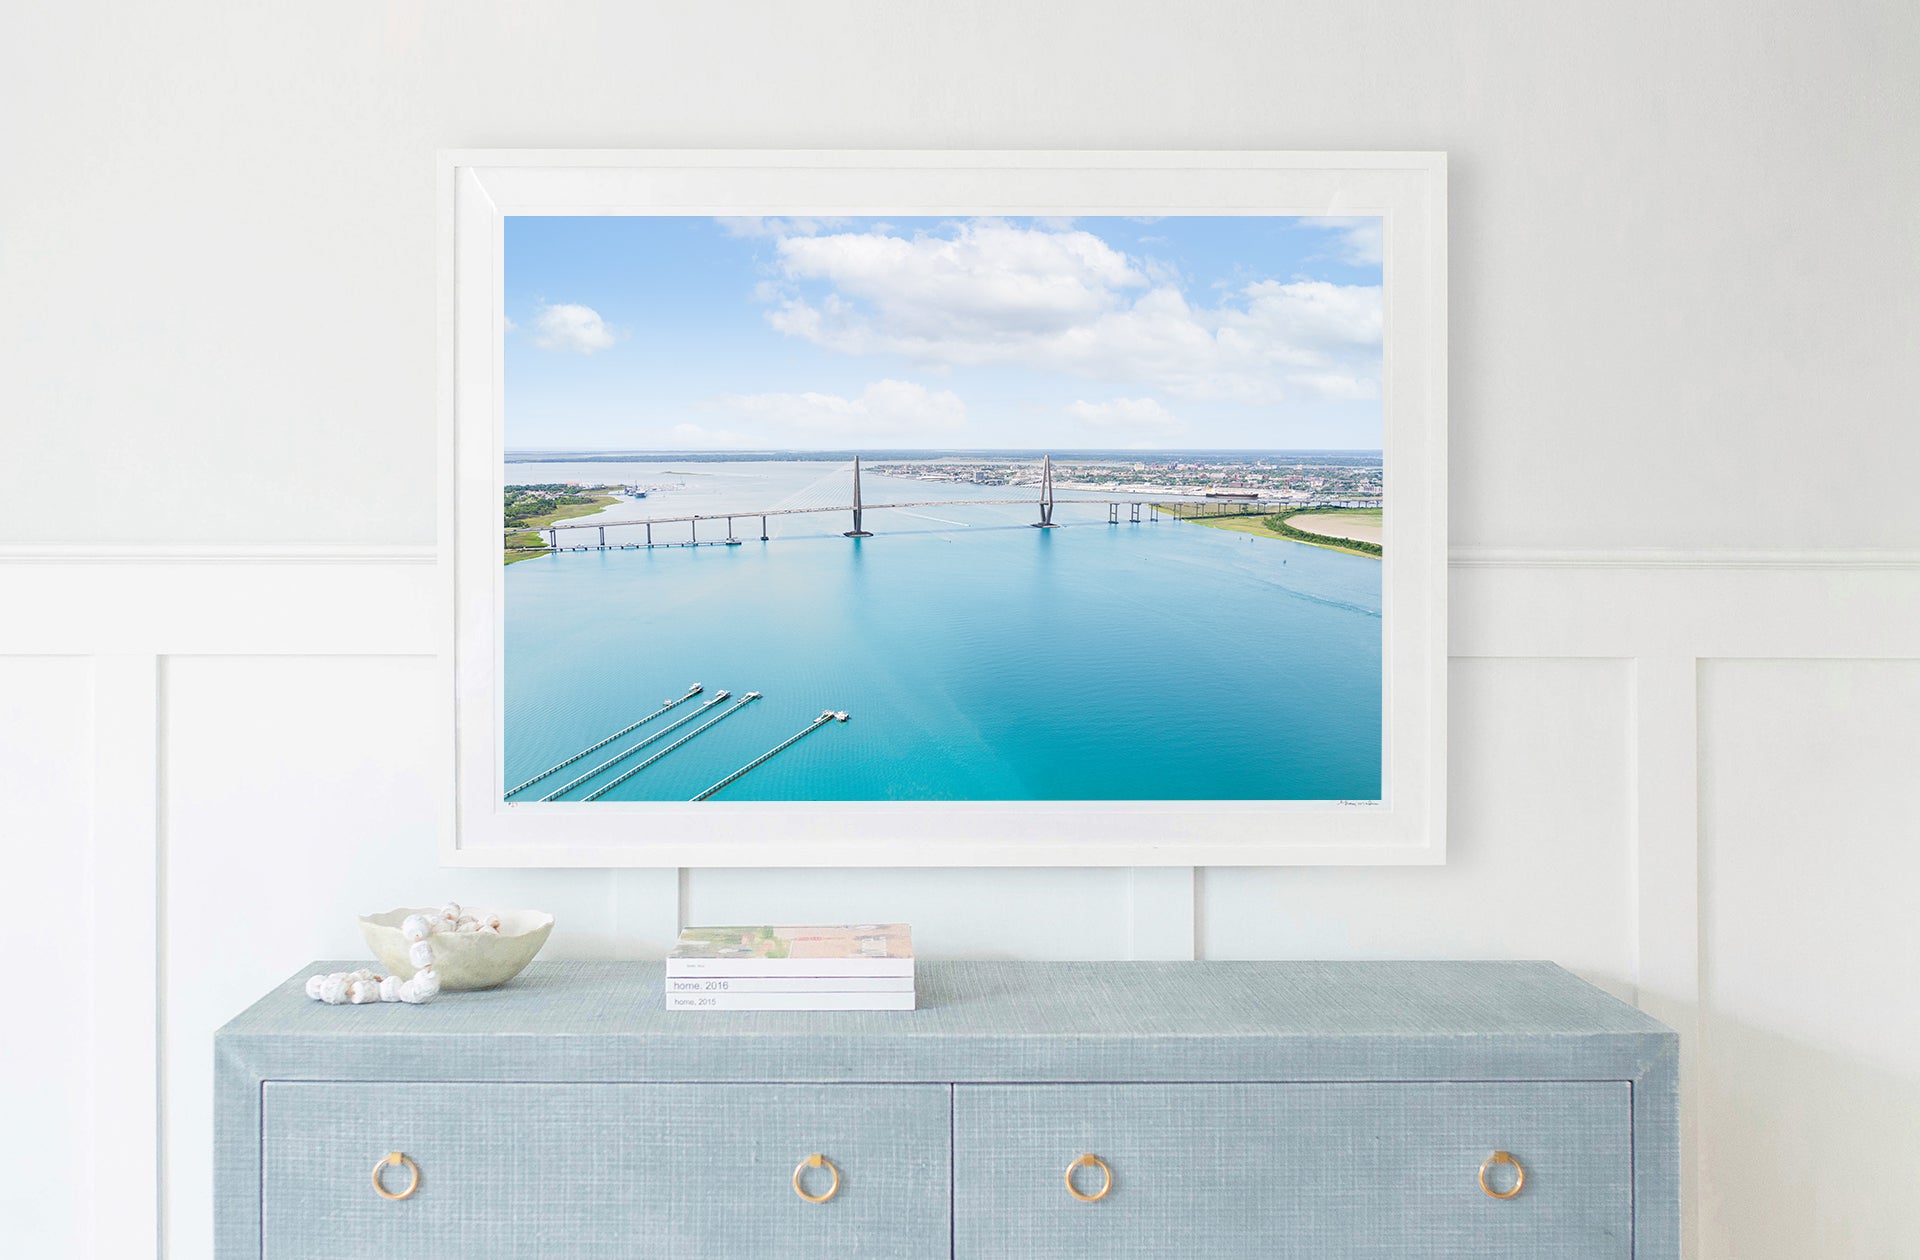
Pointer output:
x,y
978,658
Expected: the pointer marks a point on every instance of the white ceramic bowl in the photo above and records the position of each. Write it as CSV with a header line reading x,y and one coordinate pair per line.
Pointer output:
x,y
462,960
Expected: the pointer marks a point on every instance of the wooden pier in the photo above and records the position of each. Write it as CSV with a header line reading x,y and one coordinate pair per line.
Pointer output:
x,y
826,716
594,748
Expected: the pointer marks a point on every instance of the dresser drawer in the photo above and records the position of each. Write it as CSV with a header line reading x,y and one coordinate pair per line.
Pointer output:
x,y
1306,1170
581,1171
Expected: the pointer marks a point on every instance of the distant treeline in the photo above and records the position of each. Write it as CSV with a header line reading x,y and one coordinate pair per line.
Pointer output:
x,y
1278,524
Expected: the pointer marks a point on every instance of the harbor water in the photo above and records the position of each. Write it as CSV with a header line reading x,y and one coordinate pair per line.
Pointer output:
x,y
978,658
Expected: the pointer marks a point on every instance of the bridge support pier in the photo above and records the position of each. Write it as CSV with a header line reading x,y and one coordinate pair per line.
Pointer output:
x,y
1046,494
1133,513
1113,513
603,538
649,533
857,531
763,529
731,540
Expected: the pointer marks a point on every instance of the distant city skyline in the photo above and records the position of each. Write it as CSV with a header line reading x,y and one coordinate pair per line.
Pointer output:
x,y
1156,454
961,335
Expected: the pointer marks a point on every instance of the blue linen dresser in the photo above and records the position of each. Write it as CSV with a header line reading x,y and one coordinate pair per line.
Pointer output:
x,y
1027,1109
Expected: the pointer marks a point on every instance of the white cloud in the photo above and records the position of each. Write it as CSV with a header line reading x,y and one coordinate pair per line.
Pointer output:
x,y
1304,323
1126,420
569,328
885,409
1362,238
987,282
986,292
1334,385
760,225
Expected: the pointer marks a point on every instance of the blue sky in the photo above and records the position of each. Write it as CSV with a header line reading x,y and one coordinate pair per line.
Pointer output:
x,y
670,333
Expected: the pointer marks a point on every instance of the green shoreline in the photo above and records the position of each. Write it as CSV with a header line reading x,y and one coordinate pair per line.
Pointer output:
x,y
1274,525
522,541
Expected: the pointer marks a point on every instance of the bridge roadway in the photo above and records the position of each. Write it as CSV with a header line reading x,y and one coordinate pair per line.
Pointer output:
x,y
589,523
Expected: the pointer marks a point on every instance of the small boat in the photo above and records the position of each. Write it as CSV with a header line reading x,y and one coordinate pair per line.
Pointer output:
x,y
841,716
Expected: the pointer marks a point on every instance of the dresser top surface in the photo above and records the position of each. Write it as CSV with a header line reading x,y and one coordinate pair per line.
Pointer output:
x,y
967,1001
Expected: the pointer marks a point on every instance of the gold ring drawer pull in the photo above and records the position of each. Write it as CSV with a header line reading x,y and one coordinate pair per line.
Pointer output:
x,y
1519,1175
394,1159
1106,1174
816,1161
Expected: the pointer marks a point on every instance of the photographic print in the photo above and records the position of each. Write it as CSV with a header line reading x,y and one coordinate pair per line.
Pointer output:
x,y
927,508
944,508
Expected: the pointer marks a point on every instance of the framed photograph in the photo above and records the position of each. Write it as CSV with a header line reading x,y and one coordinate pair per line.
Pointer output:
x,y
945,508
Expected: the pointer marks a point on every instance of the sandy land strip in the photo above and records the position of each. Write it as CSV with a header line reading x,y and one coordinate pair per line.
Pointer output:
x,y
1360,525
1258,527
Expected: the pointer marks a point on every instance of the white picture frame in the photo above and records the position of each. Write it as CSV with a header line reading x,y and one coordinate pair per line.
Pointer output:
x,y
479,189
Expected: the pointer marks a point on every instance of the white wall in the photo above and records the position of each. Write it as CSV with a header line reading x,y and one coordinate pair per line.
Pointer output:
x,y
46,763
1684,276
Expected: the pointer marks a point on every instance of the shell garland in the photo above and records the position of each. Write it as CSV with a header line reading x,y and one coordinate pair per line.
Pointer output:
x,y
360,987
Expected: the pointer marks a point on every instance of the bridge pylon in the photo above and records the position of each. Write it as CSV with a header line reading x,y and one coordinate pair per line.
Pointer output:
x,y
857,531
1046,494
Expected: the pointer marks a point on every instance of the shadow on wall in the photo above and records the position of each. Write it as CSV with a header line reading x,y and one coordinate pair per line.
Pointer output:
x,y
1806,1152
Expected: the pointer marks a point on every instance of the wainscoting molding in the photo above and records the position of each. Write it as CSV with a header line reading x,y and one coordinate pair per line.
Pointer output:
x,y
123,868
132,608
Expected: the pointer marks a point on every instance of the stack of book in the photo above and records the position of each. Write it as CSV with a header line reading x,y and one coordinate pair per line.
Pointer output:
x,y
863,967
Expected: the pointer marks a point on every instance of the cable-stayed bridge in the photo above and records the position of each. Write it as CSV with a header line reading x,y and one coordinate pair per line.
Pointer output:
x,y
1043,501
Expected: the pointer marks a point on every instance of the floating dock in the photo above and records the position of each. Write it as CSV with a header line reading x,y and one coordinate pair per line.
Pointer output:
x,y
826,716
738,705
594,748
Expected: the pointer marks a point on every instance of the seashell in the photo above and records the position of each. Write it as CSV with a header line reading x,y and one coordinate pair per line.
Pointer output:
x,y
390,989
451,912
475,959
416,927
420,954
422,987
333,988
313,986
360,992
